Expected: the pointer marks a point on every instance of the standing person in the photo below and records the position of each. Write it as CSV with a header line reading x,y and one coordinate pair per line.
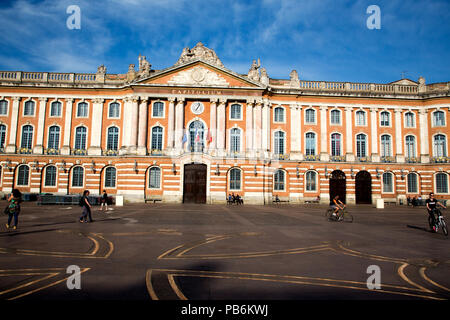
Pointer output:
x,y
431,207
14,208
104,201
84,202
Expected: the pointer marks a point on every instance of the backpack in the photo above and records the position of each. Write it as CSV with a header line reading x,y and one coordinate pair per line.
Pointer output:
x,y
81,201
12,207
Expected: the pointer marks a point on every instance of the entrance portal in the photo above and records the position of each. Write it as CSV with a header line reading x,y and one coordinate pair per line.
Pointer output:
x,y
337,185
363,187
194,190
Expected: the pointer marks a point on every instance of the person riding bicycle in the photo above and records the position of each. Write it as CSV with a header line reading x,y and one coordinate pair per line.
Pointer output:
x,y
431,208
337,205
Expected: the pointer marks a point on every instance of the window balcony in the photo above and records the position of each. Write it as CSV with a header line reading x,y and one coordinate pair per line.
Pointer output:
x,y
387,159
312,157
439,159
363,159
52,151
156,152
412,160
235,154
79,152
279,156
337,158
25,151
110,153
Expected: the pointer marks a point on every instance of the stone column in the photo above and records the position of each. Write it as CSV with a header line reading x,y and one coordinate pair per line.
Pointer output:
x,y
171,123
127,124
213,126
142,136
11,147
95,148
221,121
424,141
295,132
39,147
179,124
324,155
257,127
349,155
65,150
374,135
249,129
266,127
134,124
398,136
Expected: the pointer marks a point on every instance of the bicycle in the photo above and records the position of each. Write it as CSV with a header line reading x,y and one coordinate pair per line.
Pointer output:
x,y
343,214
439,222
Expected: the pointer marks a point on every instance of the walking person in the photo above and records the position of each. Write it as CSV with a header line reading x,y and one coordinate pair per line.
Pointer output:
x,y
84,202
14,208
104,201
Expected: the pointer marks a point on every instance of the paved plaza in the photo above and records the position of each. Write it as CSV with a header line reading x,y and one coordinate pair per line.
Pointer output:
x,y
177,252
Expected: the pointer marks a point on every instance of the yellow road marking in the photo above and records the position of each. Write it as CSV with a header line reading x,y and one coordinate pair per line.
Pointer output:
x,y
422,273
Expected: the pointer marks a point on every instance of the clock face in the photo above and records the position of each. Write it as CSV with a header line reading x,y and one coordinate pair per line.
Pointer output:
x,y
197,107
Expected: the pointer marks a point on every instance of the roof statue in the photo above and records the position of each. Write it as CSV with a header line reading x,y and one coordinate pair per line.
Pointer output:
x,y
294,80
253,73
144,66
199,52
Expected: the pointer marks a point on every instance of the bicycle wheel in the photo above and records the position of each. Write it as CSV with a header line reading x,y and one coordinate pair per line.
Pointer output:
x,y
444,227
329,215
347,217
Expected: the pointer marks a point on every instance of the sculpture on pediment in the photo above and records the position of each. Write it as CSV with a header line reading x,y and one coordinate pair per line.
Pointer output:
x,y
199,52
131,74
422,85
264,77
144,66
253,73
294,80
101,70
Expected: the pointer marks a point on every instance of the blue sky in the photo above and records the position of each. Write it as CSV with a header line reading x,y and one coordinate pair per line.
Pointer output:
x,y
322,39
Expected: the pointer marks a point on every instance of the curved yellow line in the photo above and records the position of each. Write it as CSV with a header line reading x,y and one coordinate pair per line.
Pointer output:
x,y
148,281
401,273
175,287
422,273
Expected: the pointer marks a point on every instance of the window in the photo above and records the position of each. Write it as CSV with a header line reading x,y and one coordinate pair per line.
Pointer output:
x,y
77,177
110,177
279,142
29,108
310,142
23,175
439,119
412,183
278,180
310,116
55,109
409,120
388,182
157,138
385,145
236,112
385,117
154,178
235,137
114,110
279,114
410,146
439,146
2,135
361,143
112,142
335,117
50,176
27,137
196,131
335,144
235,179
158,110
53,137
82,110
441,183
80,138
360,118
311,181
3,107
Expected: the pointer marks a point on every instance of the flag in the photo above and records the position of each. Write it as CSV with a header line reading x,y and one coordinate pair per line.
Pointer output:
x,y
184,138
208,137
197,135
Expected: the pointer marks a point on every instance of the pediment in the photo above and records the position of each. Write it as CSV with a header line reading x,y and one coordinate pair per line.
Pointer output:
x,y
405,82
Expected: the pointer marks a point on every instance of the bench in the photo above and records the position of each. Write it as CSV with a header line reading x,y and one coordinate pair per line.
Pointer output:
x,y
278,200
312,201
152,199
240,201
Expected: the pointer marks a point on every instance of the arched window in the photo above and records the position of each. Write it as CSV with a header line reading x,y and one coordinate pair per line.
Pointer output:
x,y
410,120
235,179
385,119
336,142
335,116
158,110
385,145
235,139
112,142
3,107
388,182
114,110
110,177
278,114
196,132
441,183
310,143
279,142
278,180
82,110
50,176
27,137
154,181
439,118
53,137
361,145
412,183
55,109
29,108
439,145
311,181
157,138
2,135
310,116
80,138
236,112
77,177
410,146
360,118
23,174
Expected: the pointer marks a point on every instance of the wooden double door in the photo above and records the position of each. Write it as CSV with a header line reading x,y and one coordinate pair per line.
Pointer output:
x,y
194,186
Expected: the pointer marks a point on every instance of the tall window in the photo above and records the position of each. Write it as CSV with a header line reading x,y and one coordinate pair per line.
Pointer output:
x,y
388,182
50,176
310,116
114,110
82,110
154,178
410,146
385,119
279,114
412,183
409,120
441,183
235,179
55,109
23,174
236,112
53,137
439,118
235,136
27,137
158,110
29,108
439,146
278,180
335,117
196,132
279,142
311,181
112,142
310,143
157,138
336,144
360,118
385,145
80,138
3,107
77,177
110,177
361,143
2,135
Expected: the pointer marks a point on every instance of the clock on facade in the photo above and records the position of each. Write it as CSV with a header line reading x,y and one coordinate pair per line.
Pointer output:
x,y
197,107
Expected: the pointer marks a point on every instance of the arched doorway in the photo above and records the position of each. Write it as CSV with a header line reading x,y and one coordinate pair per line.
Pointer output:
x,y
194,186
363,187
338,185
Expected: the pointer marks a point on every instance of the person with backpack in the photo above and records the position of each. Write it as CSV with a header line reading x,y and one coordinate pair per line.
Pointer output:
x,y
14,208
84,202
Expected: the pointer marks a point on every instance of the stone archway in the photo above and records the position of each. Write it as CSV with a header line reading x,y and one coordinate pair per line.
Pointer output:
x,y
363,187
338,185
194,183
